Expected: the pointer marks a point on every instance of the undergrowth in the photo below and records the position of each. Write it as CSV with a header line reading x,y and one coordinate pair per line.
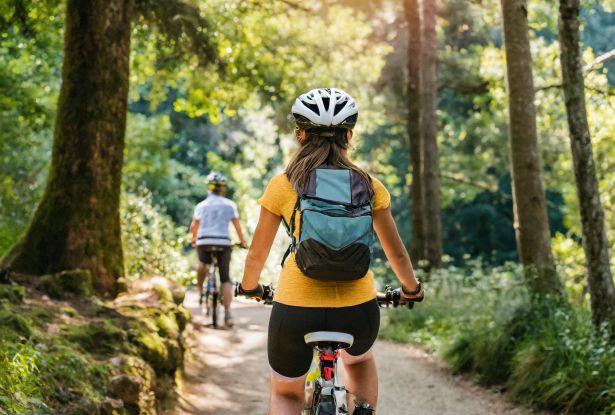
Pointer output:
x,y
486,323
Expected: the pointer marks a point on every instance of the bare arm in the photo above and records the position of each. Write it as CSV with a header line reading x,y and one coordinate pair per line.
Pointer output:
x,y
194,228
237,226
266,229
394,249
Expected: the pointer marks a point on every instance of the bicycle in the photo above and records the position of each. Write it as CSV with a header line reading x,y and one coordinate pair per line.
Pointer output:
x,y
327,395
212,297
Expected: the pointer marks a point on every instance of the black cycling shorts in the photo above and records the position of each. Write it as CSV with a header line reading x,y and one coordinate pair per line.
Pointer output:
x,y
291,357
223,258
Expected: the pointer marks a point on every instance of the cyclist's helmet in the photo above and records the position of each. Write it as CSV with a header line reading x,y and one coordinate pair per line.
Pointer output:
x,y
214,180
325,107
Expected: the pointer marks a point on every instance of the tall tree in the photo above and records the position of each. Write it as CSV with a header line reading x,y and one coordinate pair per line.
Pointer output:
x,y
413,19
595,244
77,222
429,129
530,212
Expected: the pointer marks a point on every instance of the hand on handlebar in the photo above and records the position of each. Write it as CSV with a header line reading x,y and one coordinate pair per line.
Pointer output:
x,y
260,293
396,297
415,296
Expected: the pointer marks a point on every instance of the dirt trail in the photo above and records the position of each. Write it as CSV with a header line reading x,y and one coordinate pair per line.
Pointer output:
x,y
227,374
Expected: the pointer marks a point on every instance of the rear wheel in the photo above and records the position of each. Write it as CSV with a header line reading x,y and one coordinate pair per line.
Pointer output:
x,y
214,309
207,303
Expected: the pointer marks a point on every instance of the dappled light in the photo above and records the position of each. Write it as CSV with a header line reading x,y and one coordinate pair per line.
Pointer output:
x,y
143,143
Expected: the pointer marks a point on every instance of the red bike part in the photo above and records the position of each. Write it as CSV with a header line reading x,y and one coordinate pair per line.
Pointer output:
x,y
327,364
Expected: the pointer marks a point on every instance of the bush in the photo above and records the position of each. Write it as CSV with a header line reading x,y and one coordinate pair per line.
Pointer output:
x,y
152,242
20,390
486,323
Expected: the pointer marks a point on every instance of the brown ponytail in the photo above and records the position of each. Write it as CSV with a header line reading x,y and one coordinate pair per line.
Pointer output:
x,y
322,147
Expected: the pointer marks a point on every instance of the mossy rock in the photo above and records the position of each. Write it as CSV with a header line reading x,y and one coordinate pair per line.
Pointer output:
x,y
58,286
135,366
179,294
175,353
167,326
112,406
127,388
12,323
82,407
153,349
14,293
182,316
163,293
98,337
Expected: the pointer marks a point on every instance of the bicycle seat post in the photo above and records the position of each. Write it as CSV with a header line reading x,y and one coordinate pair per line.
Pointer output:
x,y
330,388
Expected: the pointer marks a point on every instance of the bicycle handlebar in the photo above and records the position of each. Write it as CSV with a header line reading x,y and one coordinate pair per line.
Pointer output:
x,y
266,297
392,297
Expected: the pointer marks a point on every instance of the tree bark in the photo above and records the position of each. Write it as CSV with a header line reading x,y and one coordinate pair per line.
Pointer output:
x,y
413,19
530,213
429,127
595,244
77,223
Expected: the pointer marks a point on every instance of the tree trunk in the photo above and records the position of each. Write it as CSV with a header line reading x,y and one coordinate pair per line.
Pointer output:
x,y
531,225
414,130
600,279
77,223
429,127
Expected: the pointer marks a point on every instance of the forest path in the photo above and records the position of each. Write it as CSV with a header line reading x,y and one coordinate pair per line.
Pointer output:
x,y
227,374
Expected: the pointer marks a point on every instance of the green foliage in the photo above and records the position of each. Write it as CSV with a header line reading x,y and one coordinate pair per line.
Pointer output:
x,y
13,293
13,325
486,323
30,47
152,242
483,227
20,384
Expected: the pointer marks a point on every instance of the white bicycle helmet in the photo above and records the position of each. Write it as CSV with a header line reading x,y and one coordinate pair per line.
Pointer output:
x,y
214,180
325,107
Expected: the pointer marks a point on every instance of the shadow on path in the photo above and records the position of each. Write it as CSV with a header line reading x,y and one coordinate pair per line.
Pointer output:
x,y
227,372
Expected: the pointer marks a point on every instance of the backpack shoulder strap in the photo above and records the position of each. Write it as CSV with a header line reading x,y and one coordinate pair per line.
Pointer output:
x,y
290,229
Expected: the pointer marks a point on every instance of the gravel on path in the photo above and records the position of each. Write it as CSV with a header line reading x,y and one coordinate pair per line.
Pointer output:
x,y
227,373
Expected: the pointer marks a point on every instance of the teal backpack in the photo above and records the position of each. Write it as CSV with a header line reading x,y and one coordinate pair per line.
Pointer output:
x,y
336,226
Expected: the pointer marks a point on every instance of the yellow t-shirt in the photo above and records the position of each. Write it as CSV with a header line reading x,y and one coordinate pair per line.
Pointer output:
x,y
294,287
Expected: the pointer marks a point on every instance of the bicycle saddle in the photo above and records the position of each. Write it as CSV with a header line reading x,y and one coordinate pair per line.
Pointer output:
x,y
333,339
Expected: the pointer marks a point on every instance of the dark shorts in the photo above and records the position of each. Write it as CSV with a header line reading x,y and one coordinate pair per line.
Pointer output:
x,y
207,253
291,357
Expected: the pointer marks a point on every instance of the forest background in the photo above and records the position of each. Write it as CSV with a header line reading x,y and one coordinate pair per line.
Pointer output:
x,y
186,119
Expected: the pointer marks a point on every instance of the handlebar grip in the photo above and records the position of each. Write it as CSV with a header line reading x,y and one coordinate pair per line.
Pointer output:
x,y
268,294
263,293
393,297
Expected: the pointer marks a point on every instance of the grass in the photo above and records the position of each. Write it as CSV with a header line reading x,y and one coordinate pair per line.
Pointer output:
x,y
485,323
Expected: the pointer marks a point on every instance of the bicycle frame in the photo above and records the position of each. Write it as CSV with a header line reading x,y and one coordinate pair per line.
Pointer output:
x,y
212,290
328,396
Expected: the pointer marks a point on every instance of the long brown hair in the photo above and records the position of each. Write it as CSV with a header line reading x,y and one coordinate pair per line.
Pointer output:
x,y
322,147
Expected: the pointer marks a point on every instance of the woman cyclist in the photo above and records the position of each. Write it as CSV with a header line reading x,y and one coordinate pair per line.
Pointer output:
x,y
324,122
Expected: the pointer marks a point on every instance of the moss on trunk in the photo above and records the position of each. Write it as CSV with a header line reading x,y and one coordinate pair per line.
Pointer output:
x,y
77,223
